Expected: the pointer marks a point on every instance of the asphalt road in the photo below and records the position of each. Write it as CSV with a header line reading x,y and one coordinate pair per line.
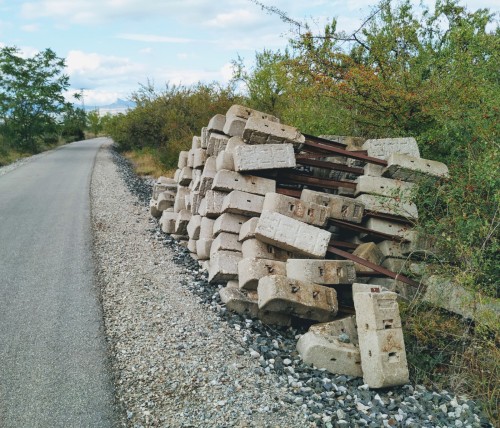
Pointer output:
x,y
54,369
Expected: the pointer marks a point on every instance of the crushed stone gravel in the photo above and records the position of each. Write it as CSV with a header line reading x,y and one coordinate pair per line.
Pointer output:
x,y
180,359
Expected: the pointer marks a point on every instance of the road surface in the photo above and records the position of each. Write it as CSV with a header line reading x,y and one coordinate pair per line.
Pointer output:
x,y
54,369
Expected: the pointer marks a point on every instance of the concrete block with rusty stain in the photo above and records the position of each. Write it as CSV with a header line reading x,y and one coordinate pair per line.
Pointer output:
x,y
262,131
223,266
340,207
377,310
268,156
193,227
368,251
230,223
292,235
225,242
277,293
307,212
251,270
332,346
324,272
227,181
247,230
243,203
183,217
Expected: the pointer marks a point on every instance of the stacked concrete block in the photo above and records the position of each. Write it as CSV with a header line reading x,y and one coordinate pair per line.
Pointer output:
x,y
251,270
243,203
381,342
339,207
163,196
230,223
413,169
269,156
324,272
370,252
227,181
245,113
262,131
307,212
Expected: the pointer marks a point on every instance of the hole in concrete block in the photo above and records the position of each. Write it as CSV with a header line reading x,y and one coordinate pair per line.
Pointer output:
x,y
333,359
369,353
344,209
236,179
321,271
270,269
249,201
340,272
393,357
388,323
270,249
367,326
291,207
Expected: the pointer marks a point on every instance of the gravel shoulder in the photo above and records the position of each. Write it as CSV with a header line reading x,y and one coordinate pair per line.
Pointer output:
x,y
181,360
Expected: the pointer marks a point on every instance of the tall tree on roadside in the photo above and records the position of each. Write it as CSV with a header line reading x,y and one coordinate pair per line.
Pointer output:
x,y
31,96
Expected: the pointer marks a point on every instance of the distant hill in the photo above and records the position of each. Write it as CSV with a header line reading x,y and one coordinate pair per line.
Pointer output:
x,y
119,106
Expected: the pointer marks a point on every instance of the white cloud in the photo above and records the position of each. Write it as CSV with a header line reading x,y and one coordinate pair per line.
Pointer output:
x,y
146,51
93,97
30,28
152,38
234,19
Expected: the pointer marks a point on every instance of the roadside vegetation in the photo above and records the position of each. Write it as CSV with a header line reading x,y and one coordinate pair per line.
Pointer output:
x,y
432,74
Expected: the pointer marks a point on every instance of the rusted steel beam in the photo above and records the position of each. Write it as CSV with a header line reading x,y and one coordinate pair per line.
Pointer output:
x,y
327,183
362,229
390,217
339,151
343,244
295,193
325,141
328,165
373,266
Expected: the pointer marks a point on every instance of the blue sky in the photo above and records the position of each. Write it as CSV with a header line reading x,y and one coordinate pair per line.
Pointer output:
x,y
111,46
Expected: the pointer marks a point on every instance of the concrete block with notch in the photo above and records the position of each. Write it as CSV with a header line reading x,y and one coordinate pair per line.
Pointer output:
x,y
216,123
370,252
247,230
246,113
243,203
230,223
183,159
278,293
203,247
223,266
268,156
180,198
224,161
386,205
324,272
256,249
307,212
340,207
381,186
216,143
200,157
193,227
261,131
214,203
183,217
382,148
292,235
227,181
321,347
225,242
206,228
234,126
167,221
413,169
250,271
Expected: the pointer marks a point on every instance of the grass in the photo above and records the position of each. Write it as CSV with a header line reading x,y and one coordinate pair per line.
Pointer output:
x,y
146,163
9,156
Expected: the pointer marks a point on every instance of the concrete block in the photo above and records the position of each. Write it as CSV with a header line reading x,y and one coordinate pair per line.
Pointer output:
x,y
238,301
292,235
153,208
199,159
377,310
404,291
193,227
261,131
180,199
321,347
181,239
387,226
192,246
164,184
196,143
214,203
395,265
340,207
413,169
278,293
391,249
325,272
250,271
195,202
243,203
234,126
182,221
383,357
223,266
224,161
202,209
183,159
366,288
225,242
216,143
167,222
258,157
245,113
204,137
227,181
203,247
165,200
190,159
255,249
216,123
419,244
368,251
307,212
230,223
176,175
384,187
247,230
274,318
196,179
206,228
373,170
382,148
386,205
233,143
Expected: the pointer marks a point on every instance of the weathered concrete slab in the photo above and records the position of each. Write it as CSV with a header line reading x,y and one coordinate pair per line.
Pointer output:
x,y
227,181
200,157
325,272
380,186
225,242
377,310
246,113
216,143
340,207
256,249
167,221
292,235
310,301
203,246
230,223
216,123
165,200
223,266
307,212
214,200
250,271
194,226
224,161
259,157
261,131
382,148
247,230
153,208
409,168
180,199
183,159
386,226
243,203
386,205
183,217
234,126
368,251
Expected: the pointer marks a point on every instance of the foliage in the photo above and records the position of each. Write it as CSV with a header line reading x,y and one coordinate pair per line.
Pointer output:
x,y
95,122
167,120
73,124
31,97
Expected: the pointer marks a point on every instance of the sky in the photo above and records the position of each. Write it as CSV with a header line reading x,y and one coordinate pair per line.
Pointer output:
x,y
113,46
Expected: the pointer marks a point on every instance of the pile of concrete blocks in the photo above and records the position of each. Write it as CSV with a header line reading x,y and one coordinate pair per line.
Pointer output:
x,y
270,241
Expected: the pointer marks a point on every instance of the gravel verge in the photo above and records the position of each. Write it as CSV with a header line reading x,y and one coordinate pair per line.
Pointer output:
x,y
180,359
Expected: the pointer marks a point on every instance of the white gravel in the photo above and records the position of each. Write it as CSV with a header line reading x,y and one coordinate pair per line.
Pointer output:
x,y
176,363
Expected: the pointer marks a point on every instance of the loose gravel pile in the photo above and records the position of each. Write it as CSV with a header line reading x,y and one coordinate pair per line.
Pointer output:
x,y
181,359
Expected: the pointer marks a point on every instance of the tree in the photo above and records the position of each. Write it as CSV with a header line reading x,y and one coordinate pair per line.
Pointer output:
x,y
31,96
